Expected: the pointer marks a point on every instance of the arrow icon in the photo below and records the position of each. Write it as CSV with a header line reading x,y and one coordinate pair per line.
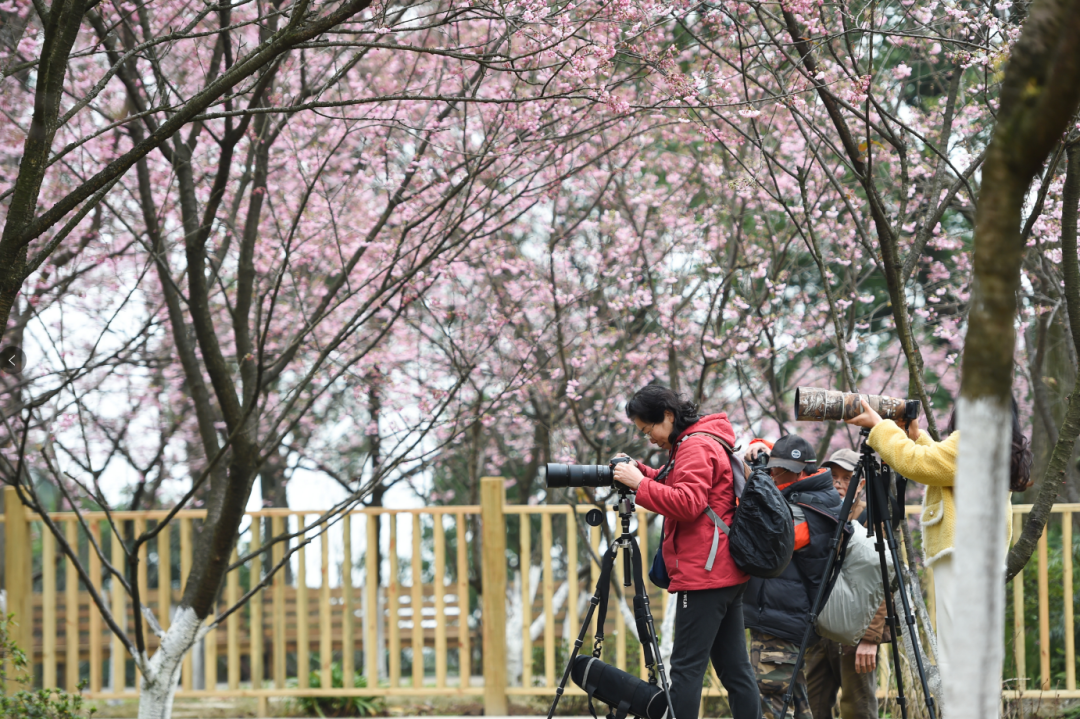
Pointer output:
x,y
12,360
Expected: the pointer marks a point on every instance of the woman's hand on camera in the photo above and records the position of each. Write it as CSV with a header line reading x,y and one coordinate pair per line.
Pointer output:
x,y
629,474
869,418
913,429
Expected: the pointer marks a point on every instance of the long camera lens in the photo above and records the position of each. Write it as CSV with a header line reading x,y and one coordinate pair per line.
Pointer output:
x,y
820,405
579,475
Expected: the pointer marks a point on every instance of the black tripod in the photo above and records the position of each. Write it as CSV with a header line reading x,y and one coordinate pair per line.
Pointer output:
x,y
881,527
642,615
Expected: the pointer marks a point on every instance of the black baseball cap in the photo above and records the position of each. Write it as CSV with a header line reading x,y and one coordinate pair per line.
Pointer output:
x,y
792,453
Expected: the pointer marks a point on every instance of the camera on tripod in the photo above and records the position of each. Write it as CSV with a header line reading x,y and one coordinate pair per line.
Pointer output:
x,y
560,476
626,694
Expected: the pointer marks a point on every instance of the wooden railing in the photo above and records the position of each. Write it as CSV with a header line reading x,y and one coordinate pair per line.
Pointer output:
x,y
1061,527
428,559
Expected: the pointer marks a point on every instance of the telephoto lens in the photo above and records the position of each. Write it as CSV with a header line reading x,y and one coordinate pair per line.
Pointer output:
x,y
820,405
582,475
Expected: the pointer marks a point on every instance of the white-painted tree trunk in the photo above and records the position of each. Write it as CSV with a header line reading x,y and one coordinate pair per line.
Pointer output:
x,y
536,629
198,671
972,672
380,637
514,644
159,681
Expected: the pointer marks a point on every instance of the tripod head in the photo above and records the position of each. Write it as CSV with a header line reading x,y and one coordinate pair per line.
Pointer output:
x,y
624,506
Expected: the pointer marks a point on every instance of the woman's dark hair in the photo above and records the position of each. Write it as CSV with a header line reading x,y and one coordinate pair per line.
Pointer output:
x,y
1020,461
651,402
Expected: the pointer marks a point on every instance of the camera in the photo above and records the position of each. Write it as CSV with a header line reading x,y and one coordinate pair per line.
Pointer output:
x,y
760,463
820,405
583,475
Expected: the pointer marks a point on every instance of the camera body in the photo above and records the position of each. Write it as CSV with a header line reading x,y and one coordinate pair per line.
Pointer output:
x,y
583,475
760,462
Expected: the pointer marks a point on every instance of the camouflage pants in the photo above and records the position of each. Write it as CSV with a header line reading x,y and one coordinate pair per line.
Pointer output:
x,y
773,660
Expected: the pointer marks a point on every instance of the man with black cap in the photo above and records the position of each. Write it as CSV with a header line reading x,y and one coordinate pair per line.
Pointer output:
x,y
776,611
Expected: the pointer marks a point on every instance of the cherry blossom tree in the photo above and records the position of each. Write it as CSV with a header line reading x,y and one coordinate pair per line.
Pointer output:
x,y
271,191
399,244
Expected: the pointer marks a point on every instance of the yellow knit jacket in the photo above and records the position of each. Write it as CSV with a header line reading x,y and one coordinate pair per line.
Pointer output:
x,y
933,464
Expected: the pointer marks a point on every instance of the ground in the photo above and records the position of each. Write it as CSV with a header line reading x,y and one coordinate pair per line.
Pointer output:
x,y
281,708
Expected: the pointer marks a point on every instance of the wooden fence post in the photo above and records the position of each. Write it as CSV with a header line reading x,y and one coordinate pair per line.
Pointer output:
x,y
492,498
17,577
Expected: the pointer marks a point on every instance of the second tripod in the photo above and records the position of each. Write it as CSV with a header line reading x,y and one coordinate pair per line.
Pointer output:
x,y
879,525
643,619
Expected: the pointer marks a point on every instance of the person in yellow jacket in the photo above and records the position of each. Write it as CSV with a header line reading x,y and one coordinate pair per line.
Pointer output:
x,y
916,456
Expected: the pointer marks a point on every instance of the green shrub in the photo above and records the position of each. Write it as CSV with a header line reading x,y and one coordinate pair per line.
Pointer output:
x,y
27,704
339,706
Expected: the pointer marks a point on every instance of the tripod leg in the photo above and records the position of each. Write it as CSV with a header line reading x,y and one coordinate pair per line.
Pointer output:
x,y
599,597
879,518
909,620
573,655
641,598
893,623
837,551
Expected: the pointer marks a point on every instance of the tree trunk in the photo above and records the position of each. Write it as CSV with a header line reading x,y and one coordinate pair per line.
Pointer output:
x,y
1039,95
60,30
273,487
159,684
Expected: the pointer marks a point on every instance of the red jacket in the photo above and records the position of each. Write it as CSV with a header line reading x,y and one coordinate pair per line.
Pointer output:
x,y
701,476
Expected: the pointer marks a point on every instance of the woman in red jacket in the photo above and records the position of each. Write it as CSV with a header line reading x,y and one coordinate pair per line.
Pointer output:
x,y
708,603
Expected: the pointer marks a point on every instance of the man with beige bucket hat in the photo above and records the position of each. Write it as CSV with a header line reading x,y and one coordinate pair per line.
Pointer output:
x,y
830,665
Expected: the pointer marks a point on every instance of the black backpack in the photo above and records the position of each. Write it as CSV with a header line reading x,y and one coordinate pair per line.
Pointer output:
x,y
761,538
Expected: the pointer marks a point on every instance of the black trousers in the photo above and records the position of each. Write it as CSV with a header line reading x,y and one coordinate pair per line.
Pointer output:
x,y
709,624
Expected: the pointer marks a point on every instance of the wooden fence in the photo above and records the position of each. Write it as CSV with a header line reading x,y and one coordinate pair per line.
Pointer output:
x,y
423,630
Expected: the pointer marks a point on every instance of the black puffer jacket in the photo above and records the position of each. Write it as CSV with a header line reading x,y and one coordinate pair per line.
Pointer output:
x,y
781,606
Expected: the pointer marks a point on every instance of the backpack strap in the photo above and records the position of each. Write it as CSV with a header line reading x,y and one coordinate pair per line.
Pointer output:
x,y
718,524
723,442
738,474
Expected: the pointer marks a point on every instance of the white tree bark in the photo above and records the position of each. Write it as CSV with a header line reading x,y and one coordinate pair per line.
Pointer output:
x,y
972,672
380,635
536,629
162,673
514,644
198,672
